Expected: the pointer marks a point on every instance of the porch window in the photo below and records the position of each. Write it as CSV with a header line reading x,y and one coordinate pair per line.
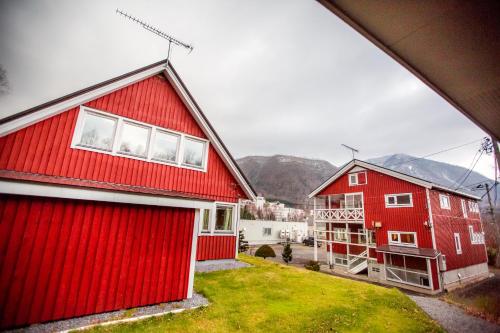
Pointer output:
x,y
98,131
398,200
353,200
205,227
403,238
444,201
224,219
458,246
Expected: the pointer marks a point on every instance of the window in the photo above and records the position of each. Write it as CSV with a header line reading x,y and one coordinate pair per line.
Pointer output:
x,y
194,151
464,208
134,140
458,246
115,135
399,200
266,231
353,200
444,201
98,132
166,146
473,207
403,238
476,237
224,219
205,227
358,178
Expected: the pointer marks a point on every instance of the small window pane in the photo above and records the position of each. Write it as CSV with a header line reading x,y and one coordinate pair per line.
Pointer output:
x,y
193,152
206,221
403,200
224,219
134,140
391,200
407,238
98,132
395,238
165,146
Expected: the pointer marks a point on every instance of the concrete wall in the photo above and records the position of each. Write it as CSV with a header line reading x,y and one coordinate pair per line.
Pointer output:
x,y
452,280
254,231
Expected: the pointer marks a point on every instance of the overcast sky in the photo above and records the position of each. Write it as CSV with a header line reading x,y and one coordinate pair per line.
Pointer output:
x,y
273,77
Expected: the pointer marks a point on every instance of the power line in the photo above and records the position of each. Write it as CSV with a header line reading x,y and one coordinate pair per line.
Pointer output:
x,y
436,153
469,171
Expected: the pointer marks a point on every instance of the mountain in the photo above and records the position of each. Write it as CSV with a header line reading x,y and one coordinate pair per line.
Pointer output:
x,y
445,174
288,179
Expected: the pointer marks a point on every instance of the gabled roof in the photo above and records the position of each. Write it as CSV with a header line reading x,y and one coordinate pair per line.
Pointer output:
x,y
36,114
411,179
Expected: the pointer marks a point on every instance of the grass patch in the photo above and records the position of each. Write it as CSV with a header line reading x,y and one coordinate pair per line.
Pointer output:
x,y
270,297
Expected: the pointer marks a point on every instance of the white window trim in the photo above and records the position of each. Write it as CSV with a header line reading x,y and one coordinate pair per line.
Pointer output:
x,y
399,243
388,205
473,207
441,202
264,229
464,208
211,223
117,139
354,194
458,244
357,178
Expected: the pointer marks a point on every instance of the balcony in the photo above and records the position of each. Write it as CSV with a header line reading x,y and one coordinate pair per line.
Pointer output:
x,y
339,215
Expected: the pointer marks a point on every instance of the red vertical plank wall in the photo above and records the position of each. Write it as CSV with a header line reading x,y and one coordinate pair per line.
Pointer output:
x,y
447,222
67,258
45,147
216,247
393,219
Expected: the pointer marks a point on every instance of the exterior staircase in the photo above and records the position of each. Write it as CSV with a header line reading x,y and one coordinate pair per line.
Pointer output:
x,y
359,263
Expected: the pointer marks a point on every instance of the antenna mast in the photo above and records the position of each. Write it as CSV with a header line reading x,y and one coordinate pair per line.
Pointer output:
x,y
158,32
353,150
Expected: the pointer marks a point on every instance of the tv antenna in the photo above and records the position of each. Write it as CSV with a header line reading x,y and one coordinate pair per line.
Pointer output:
x,y
353,150
171,40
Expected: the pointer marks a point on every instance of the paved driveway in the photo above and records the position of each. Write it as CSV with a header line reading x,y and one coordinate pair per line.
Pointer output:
x,y
301,254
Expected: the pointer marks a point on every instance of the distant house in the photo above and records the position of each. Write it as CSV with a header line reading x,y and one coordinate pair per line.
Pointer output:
x,y
401,230
108,196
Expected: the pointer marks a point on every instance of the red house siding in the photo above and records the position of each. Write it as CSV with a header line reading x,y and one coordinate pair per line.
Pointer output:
x,y
216,247
447,222
68,258
393,219
44,148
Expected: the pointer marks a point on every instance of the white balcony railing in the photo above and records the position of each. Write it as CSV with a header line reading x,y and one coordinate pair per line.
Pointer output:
x,y
342,214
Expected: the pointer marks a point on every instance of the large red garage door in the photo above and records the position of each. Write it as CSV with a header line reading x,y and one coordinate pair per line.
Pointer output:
x,y
65,258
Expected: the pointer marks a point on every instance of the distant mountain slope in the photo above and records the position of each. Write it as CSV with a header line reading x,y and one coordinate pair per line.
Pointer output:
x,y
445,174
286,178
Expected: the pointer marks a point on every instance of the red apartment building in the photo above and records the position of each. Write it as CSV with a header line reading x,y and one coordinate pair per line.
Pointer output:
x,y
108,197
401,230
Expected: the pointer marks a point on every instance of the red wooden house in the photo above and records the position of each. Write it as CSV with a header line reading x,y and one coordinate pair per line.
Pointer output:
x,y
108,196
401,230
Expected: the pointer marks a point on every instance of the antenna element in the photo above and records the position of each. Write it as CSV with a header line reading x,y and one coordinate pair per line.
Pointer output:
x,y
353,150
158,32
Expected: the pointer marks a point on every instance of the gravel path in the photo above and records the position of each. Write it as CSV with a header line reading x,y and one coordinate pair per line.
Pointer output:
x,y
452,318
219,265
116,316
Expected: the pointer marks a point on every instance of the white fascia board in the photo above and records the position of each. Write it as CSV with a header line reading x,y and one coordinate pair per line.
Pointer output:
x,y
90,194
369,166
445,189
172,78
50,111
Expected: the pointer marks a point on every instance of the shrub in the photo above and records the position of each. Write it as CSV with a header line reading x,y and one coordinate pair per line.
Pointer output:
x,y
492,255
287,253
265,251
312,266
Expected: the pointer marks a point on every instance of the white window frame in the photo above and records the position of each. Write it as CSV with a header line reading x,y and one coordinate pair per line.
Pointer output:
x,y
203,156
458,244
396,205
399,243
442,196
202,221
464,208
473,207
117,139
178,151
212,231
264,231
357,178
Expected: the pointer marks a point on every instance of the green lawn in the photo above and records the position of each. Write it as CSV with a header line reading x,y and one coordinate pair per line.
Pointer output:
x,y
275,298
